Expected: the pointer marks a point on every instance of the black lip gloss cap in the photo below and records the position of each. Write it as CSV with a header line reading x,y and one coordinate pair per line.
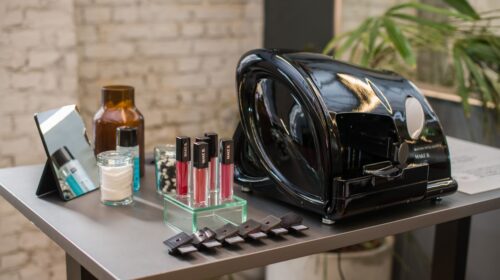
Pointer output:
x,y
212,144
183,148
202,139
227,151
200,155
126,136
61,156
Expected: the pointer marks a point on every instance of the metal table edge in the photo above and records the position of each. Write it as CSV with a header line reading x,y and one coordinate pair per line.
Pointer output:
x,y
319,245
69,247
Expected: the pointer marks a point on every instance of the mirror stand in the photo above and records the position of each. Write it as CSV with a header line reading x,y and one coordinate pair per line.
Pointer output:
x,y
48,181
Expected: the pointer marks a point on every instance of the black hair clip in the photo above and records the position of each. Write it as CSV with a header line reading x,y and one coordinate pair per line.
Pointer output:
x,y
251,228
180,244
228,234
292,221
272,225
205,237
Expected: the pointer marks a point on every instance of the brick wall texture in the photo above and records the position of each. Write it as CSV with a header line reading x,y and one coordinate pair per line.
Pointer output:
x,y
180,55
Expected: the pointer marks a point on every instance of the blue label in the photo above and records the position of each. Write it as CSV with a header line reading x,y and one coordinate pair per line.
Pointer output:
x,y
74,186
137,174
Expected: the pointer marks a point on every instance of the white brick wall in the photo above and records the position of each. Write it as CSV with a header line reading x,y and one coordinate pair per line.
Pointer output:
x,y
38,71
37,60
180,55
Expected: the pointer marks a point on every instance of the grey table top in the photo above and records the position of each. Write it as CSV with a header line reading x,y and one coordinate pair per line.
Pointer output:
x,y
126,242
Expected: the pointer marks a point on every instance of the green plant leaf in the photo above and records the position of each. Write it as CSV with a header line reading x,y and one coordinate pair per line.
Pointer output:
x,y
442,26
482,49
365,58
478,77
334,41
460,79
463,7
370,46
428,8
374,30
381,54
354,49
425,37
399,41
350,38
354,37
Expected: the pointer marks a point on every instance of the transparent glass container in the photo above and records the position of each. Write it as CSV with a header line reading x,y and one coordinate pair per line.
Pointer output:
x,y
179,212
116,172
165,169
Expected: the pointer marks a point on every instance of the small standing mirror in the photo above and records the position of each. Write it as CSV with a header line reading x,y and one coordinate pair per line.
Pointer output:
x,y
71,167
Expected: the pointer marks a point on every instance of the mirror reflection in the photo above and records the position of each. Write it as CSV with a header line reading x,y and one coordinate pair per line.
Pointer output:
x,y
66,144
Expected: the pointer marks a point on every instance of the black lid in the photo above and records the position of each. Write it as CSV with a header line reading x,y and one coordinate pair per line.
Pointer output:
x,y
183,148
200,155
226,146
126,136
61,156
213,144
202,139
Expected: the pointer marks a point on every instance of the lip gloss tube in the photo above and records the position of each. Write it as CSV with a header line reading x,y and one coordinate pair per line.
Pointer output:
x,y
182,164
205,139
213,155
226,170
200,174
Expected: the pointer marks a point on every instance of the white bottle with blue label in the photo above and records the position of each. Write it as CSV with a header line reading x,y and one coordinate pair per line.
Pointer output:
x,y
126,142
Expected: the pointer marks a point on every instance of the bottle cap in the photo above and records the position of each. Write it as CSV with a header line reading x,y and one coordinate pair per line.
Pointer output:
x,y
117,93
61,156
183,148
117,89
227,151
200,155
213,144
201,139
126,136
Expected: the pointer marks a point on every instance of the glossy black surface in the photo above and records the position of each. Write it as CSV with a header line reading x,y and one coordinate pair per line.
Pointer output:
x,y
311,125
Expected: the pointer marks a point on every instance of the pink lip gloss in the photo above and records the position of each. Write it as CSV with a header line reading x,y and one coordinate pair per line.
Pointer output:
x,y
200,173
226,170
182,164
213,153
206,140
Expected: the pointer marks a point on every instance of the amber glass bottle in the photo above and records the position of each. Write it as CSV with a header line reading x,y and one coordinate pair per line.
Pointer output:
x,y
117,109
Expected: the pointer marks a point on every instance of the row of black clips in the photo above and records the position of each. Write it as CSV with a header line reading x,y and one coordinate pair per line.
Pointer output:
x,y
229,234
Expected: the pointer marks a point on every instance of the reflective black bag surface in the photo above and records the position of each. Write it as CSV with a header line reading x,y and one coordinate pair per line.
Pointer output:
x,y
334,138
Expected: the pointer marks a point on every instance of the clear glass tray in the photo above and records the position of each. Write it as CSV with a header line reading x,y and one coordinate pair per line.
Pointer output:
x,y
179,212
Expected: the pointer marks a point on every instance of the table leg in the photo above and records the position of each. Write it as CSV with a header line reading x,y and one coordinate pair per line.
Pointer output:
x,y
75,271
451,242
